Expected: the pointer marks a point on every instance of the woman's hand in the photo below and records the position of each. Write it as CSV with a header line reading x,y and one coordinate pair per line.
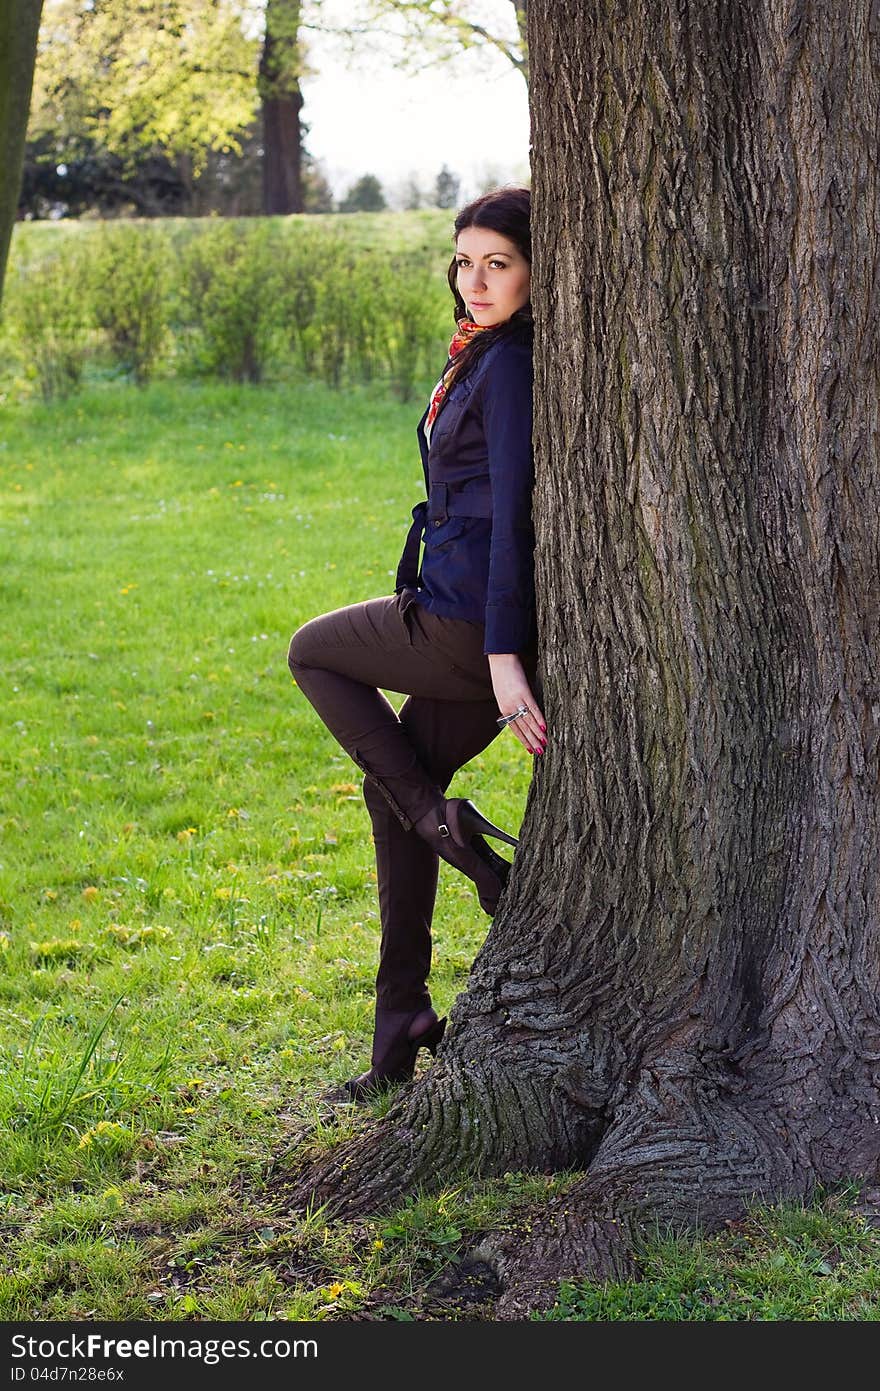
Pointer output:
x,y
512,690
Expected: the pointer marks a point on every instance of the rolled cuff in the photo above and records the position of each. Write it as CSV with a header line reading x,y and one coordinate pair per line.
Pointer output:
x,y
508,629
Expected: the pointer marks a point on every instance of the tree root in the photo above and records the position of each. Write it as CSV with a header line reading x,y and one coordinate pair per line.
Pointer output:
x,y
459,1122
679,1150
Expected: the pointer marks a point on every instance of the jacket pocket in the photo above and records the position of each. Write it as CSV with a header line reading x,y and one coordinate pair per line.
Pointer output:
x,y
450,413
439,535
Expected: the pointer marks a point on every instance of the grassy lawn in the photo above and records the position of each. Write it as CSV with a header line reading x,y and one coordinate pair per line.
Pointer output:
x,y
188,926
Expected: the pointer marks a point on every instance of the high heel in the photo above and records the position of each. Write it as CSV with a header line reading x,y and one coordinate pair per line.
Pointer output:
x,y
394,1053
453,828
475,823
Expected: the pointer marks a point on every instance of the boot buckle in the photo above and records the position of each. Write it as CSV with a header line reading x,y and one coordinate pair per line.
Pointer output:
x,y
444,829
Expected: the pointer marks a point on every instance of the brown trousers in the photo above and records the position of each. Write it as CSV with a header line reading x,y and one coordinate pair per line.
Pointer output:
x,y
339,661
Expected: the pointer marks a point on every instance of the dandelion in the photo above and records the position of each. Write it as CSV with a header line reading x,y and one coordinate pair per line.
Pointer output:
x,y
223,892
187,833
90,893
335,1290
378,1244
108,1128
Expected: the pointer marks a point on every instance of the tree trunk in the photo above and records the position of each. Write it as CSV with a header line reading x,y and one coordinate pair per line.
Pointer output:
x,y
679,994
19,28
282,101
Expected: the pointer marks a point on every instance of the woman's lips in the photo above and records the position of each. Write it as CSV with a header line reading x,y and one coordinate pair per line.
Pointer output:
x,y
475,305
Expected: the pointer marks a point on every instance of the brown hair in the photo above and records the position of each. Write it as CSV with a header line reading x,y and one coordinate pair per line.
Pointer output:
x,y
506,211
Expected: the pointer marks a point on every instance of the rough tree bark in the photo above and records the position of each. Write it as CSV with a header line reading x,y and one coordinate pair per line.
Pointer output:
x,y
679,995
282,102
19,28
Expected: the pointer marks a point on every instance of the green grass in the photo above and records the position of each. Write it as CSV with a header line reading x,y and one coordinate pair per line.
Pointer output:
x,y
788,1263
188,925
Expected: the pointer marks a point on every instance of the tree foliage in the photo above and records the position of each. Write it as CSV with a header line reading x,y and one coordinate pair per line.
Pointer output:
x,y
446,189
133,75
365,196
427,31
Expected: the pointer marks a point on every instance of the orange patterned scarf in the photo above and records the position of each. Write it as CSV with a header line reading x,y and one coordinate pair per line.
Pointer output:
x,y
463,334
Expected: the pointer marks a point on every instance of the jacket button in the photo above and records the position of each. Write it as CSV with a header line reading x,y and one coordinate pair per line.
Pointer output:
x,y
437,523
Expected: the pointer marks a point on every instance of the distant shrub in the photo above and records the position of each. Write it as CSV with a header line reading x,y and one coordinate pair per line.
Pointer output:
x,y
128,275
359,313
48,319
230,290
342,299
419,323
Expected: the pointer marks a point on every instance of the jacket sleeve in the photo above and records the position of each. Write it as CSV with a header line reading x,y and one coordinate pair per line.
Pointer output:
x,y
507,423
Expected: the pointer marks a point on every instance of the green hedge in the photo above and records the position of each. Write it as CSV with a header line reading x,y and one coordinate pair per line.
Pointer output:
x,y
340,299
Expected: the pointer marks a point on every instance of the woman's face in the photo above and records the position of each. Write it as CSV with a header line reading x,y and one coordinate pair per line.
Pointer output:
x,y
493,275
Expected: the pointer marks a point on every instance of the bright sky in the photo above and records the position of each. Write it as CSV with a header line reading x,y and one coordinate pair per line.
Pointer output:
x,y
368,118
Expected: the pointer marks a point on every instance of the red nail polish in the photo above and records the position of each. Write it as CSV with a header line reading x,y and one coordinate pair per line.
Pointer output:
x,y
543,728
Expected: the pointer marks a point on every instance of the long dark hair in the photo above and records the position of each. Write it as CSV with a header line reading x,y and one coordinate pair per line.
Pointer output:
x,y
506,211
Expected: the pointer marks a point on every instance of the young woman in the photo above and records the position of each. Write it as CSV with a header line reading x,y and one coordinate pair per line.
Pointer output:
x,y
458,635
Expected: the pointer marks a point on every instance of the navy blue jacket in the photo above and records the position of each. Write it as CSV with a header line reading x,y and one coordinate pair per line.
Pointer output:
x,y
478,561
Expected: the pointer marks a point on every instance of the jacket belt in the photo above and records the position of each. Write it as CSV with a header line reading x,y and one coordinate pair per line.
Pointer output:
x,y
444,502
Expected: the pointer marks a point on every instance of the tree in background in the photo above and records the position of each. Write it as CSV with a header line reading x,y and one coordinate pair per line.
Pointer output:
x,y
19,25
159,106
446,189
281,66
365,196
163,95
680,996
317,193
411,195
138,76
